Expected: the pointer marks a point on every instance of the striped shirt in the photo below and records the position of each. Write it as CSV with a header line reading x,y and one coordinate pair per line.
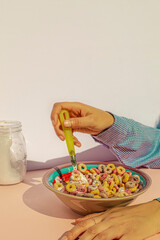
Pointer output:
x,y
133,143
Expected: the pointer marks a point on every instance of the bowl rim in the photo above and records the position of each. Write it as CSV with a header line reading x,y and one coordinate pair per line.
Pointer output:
x,y
147,178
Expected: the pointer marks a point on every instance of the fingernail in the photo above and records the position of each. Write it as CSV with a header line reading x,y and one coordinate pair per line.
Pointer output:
x,y
53,122
67,123
77,220
78,144
64,238
61,137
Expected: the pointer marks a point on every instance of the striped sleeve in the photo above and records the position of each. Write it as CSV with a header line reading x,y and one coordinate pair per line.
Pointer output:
x,y
133,143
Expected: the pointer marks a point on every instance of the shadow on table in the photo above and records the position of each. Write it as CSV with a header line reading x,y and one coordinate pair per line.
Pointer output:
x,y
98,153
42,200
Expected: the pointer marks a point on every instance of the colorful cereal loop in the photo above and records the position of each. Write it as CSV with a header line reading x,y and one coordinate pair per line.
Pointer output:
x,y
92,170
106,188
105,184
135,178
76,177
58,185
101,168
95,192
97,196
70,187
111,165
122,185
108,170
103,195
125,178
114,190
133,189
130,184
111,185
97,183
110,193
97,177
85,184
82,167
94,176
116,179
82,189
120,170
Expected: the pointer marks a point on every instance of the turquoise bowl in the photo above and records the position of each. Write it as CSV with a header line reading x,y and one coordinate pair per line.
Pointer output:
x,y
83,205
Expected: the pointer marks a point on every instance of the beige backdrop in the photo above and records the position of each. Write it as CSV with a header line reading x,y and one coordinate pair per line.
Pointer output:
x,y
103,53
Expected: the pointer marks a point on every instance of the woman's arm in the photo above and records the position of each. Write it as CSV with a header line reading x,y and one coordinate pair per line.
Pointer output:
x,y
133,143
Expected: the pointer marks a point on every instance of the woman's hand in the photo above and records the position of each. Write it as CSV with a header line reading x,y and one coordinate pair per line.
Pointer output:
x,y
125,223
83,118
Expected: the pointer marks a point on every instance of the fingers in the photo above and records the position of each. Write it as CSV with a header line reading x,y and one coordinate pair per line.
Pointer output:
x,y
94,231
111,213
55,113
80,228
76,142
61,135
111,233
87,217
73,108
59,132
55,118
114,224
105,229
77,123
79,114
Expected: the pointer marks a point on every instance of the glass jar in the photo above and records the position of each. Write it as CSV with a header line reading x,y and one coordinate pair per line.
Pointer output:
x,y
12,153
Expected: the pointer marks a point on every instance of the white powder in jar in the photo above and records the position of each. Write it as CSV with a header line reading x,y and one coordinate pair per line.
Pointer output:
x,y
8,173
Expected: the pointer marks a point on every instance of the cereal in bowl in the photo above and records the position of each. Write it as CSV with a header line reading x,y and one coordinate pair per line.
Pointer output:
x,y
105,181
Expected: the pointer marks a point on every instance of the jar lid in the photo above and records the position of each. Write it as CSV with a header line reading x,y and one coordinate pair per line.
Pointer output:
x,y
10,126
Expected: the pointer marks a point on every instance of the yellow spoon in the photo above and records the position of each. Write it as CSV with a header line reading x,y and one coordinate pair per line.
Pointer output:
x,y
64,115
